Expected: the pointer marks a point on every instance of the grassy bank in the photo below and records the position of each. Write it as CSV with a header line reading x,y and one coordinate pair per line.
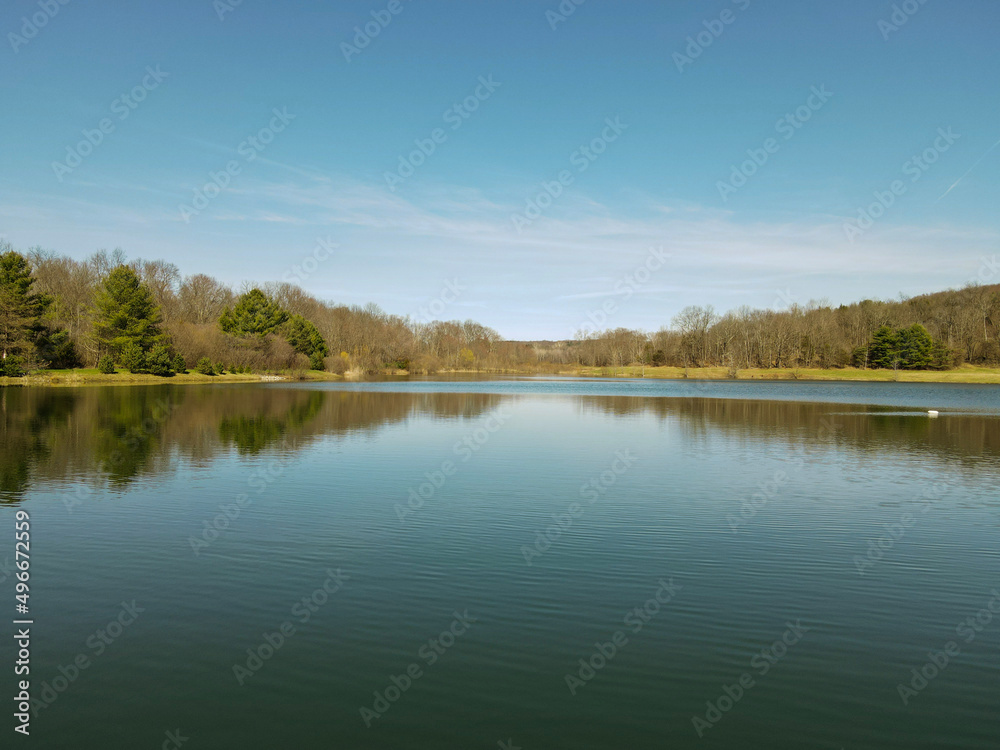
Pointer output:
x,y
86,376
966,374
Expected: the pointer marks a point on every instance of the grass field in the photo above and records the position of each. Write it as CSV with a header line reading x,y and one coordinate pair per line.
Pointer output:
x,y
90,376
966,374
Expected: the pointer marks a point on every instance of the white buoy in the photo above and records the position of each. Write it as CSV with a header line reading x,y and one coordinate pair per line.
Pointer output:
x,y
932,413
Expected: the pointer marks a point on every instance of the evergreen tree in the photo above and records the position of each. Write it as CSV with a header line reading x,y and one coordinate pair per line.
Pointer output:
x,y
56,348
883,352
12,366
133,358
915,347
20,310
159,362
126,313
253,315
907,348
306,339
942,358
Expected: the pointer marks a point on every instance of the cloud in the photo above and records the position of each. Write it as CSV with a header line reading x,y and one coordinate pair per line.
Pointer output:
x,y
583,230
397,247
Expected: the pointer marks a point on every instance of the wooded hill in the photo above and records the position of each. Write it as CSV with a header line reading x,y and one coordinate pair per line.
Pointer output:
x,y
932,331
58,312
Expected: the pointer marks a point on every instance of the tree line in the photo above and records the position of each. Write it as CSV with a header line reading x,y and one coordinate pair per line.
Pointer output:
x,y
107,311
934,331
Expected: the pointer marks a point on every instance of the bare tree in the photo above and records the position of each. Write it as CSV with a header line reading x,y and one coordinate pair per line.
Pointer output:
x,y
202,299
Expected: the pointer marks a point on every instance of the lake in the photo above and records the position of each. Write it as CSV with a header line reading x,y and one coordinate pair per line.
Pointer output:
x,y
508,563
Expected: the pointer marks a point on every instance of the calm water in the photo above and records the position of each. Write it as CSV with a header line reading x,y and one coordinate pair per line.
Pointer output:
x,y
761,564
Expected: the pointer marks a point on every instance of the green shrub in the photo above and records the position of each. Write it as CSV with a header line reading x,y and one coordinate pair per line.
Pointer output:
x,y
56,348
159,362
106,365
204,366
12,367
180,365
220,369
316,361
133,358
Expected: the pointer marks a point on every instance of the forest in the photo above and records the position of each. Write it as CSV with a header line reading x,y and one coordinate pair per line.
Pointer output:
x,y
109,312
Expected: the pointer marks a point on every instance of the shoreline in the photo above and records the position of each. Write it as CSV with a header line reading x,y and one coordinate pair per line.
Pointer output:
x,y
968,374
91,377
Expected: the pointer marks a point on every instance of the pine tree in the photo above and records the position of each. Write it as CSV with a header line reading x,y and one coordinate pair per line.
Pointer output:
x,y
253,315
159,362
915,347
133,357
316,361
942,358
883,352
306,339
126,313
907,348
20,309
56,348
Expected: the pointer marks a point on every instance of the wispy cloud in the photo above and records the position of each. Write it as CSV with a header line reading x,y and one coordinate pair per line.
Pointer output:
x,y
397,248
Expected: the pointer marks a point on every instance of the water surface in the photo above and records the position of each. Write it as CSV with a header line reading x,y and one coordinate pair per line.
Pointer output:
x,y
532,517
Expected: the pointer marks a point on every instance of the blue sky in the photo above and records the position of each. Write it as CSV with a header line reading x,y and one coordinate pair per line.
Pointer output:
x,y
779,233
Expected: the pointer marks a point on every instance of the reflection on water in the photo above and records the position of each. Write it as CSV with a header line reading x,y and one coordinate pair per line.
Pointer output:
x,y
964,437
117,434
764,508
